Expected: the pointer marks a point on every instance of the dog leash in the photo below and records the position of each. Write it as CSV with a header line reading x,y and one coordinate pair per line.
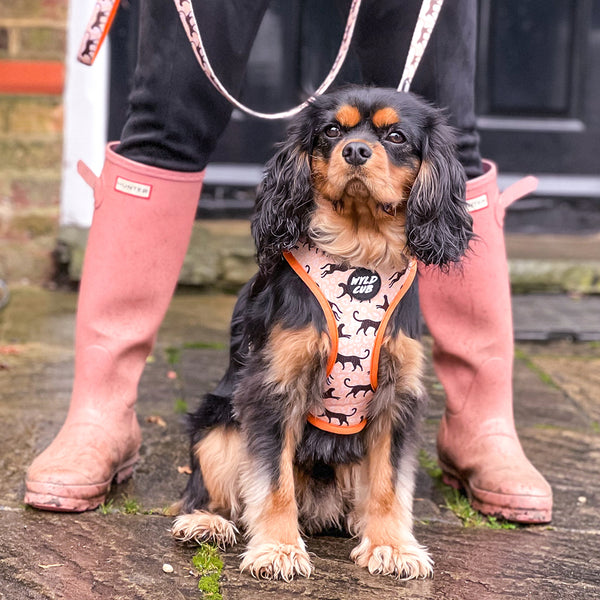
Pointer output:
x,y
97,29
104,12
188,20
428,15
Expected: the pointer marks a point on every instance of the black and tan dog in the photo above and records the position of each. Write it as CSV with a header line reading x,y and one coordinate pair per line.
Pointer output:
x,y
366,183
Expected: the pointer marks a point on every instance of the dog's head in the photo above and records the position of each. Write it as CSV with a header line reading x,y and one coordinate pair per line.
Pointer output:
x,y
370,176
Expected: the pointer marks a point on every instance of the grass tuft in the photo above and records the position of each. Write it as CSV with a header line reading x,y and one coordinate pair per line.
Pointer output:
x,y
180,406
530,364
204,346
131,506
209,565
457,502
106,508
173,355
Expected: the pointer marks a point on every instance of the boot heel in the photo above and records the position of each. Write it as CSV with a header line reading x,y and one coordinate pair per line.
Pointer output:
x,y
449,478
126,471
451,481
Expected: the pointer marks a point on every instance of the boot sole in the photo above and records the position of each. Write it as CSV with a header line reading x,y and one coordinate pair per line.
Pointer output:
x,y
58,502
526,515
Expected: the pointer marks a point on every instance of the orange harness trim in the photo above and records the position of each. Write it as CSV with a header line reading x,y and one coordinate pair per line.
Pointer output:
x,y
314,288
335,407
412,271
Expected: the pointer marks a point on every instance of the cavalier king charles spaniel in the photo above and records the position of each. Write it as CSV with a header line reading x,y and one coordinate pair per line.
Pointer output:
x,y
315,424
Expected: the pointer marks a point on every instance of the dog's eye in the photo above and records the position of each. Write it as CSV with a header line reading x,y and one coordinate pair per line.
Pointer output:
x,y
395,137
333,131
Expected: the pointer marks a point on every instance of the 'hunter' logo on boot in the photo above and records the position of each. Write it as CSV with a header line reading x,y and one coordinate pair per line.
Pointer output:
x,y
477,203
133,188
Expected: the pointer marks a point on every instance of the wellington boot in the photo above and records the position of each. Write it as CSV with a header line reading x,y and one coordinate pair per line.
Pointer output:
x,y
468,312
137,242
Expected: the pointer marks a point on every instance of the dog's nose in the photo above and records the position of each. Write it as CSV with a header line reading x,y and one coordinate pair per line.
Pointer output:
x,y
356,153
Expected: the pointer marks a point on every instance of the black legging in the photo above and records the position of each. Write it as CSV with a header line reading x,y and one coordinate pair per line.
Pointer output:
x,y
176,116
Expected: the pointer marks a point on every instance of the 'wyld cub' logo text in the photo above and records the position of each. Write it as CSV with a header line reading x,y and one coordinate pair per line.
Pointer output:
x,y
364,284
133,188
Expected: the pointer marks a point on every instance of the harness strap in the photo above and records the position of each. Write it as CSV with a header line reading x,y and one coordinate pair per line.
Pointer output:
x,y
412,271
364,295
332,323
329,317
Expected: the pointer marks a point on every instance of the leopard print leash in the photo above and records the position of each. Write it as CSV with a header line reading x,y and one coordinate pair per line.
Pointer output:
x,y
105,10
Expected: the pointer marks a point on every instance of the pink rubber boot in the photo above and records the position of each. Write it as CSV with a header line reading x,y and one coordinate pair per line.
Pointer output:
x,y
468,313
138,239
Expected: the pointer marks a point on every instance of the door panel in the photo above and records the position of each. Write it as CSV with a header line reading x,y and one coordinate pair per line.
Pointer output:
x,y
538,85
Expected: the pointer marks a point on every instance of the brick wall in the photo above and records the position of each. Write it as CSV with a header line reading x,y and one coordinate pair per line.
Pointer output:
x,y
32,47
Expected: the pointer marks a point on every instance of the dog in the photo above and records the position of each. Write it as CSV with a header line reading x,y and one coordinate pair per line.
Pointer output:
x,y
365,185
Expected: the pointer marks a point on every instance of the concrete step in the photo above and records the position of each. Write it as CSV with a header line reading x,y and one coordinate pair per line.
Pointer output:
x,y
221,256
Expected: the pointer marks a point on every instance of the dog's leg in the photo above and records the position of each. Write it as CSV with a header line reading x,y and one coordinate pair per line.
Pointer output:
x,y
383,512
214,488
275,549
272,407
216,455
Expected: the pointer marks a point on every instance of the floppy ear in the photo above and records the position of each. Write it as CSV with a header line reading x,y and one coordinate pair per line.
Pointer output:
x,y
438,225
285,197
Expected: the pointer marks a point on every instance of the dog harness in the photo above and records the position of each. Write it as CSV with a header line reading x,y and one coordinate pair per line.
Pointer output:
x,y
357,304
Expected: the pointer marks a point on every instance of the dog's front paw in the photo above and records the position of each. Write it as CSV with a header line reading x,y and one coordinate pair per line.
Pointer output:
x,y
201,526
277,561
404,561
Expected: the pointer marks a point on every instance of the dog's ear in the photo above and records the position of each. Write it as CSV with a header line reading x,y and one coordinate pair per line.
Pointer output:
x,y
438,225
285,196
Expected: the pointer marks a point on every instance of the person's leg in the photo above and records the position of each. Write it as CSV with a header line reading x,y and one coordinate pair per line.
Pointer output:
x,y
468,310
447,70
145,203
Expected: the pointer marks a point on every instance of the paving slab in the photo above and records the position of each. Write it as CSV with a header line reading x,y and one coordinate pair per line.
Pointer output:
x,y
89,556
547,317
112,554
470,565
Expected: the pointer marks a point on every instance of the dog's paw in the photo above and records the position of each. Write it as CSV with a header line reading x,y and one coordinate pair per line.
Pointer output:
x,y
201,526
277,561
406,561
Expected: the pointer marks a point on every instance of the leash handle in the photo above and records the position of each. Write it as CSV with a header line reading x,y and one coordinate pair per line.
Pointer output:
x,y
430,10
97,29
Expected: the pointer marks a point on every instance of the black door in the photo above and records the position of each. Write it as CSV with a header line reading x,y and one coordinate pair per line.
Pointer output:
x,y
538,90
538,93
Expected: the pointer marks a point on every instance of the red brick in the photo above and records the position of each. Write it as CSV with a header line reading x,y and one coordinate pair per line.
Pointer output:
x,y
31,114
29,9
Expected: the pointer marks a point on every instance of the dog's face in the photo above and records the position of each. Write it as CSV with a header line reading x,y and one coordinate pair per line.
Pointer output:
x,y
363,161
370,176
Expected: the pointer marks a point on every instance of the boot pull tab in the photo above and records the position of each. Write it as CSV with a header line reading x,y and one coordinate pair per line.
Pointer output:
x,y
518,190
87,174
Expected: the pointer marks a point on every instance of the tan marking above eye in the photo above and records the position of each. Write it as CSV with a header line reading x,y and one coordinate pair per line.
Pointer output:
x,y
385,117
348,116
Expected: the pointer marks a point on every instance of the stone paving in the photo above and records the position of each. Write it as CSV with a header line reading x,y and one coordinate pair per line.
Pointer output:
x,y
119,552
